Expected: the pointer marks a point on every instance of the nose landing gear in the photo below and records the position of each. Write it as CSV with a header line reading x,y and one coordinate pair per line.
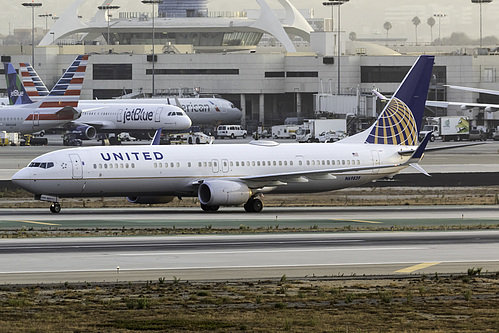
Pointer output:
x,y
55,207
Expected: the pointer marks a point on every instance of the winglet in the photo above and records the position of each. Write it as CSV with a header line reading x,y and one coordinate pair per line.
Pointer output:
x,y
157,137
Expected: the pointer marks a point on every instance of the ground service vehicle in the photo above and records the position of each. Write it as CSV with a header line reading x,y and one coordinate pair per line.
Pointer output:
x,y
310,130
231,131
455,128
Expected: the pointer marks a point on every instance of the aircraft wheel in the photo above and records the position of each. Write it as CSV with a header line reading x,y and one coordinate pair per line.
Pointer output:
x,y
254,205
208,208
55,207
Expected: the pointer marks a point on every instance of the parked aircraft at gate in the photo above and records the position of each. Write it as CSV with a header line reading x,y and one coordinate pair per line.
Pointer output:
x,y
57,108
126,116
227,175
201,111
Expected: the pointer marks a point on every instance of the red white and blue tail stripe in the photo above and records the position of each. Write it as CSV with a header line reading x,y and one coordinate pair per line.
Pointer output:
x,y
32,82
68,89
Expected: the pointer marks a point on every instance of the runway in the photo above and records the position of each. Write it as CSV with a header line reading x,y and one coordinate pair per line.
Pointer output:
x,y
229,257
236,217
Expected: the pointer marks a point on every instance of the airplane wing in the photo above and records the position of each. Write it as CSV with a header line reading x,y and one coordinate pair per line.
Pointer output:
x,y
96,124
478,90
464,105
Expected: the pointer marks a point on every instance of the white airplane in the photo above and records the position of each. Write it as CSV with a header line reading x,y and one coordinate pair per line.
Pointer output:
x,y
58,107
124,116
228,175
202,111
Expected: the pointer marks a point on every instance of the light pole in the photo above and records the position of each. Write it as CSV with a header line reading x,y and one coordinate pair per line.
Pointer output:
x,y
46,15
480,2
152,2
439,16
107,8
32,4
337,3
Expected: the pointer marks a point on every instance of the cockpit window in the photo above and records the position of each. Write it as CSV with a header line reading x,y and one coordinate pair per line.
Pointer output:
x,y
179,113
43,165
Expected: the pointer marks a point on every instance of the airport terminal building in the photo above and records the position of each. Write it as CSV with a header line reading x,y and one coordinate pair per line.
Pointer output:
x,y
269,82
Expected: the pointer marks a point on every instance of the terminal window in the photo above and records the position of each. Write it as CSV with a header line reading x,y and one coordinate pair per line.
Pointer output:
x,y
112,71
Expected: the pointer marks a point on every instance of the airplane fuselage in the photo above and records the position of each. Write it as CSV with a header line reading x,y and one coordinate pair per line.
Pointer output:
x,y
178,170
26,119
133,117
202,111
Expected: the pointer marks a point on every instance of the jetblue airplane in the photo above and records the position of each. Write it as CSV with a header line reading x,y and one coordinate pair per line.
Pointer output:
x,y
58,107
124,116
201,111
229,175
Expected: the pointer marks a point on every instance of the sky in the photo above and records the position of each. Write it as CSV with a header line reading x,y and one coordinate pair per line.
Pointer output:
x,y
364,17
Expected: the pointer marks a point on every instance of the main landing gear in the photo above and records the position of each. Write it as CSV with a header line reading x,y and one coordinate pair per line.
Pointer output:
x,y
253,205
55,207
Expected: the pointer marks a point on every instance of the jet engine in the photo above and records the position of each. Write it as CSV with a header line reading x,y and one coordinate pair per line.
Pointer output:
x,y
85,132
223,193
150,199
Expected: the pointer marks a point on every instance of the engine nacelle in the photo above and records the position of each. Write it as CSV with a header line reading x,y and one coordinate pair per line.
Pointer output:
x,y
223,193
85,132
150,199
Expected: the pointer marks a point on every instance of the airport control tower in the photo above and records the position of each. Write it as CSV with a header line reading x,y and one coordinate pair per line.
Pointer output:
x,y
183,8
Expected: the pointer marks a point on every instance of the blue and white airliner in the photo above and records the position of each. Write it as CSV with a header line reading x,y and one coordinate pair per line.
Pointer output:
x,y
239,174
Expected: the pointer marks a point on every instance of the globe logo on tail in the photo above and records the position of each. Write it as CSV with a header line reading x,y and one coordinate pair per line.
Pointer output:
x,y
395,126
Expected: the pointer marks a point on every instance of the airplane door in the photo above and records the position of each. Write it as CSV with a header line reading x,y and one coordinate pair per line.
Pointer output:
x,y
214,166
119,116
375,157
157,115
77,166
36,118
225,166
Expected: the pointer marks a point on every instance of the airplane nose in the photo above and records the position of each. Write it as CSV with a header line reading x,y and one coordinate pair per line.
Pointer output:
x,y
187,122
22,178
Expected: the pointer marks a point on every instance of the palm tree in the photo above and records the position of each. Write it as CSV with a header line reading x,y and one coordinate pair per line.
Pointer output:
x,y
416,21
387,26
431,22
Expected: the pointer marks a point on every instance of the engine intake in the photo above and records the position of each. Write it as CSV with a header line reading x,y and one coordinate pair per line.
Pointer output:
x,y
150,199
223,193
85,132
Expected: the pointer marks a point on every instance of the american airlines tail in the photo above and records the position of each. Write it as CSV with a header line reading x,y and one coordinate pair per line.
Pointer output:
x,y
32,82
401,119
15,88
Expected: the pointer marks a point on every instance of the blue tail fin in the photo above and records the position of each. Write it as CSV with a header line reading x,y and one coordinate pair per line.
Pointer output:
x,y
401,119
15,88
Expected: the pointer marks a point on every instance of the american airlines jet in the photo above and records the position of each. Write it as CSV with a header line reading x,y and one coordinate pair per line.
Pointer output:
x,y
201,111
57,108
231,175
125,116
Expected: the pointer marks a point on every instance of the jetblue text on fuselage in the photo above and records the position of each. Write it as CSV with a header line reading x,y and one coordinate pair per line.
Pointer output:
x,y
138,114
133,156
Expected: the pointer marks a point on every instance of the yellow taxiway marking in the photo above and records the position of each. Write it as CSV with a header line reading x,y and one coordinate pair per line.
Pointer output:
x,y
361,221
417,267
38,222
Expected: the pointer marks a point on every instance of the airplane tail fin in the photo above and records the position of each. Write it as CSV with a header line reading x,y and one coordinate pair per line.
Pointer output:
x,y
400,121
66,92
32,82
15,89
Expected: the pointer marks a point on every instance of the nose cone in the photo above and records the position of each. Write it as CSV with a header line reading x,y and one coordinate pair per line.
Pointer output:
x,y
185,121
235,114
22,178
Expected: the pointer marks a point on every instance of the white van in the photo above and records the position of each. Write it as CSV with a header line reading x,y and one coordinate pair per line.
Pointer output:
x,y
230,131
